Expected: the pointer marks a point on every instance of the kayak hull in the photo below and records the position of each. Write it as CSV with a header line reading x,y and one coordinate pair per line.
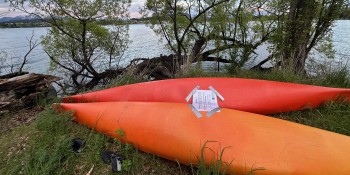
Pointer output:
x,y
248,141
256,96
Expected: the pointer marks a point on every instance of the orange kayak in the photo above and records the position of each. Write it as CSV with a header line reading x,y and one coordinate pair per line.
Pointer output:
x,y
249,141
256,96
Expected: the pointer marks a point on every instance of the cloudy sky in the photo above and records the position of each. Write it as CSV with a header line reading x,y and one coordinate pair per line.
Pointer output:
x,y
134,9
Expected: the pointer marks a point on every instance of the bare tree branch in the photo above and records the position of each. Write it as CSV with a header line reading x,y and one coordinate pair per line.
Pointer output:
x,y
32,46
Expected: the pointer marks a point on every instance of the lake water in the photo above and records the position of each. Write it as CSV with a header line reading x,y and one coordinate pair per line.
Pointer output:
x,y
144,45
341,40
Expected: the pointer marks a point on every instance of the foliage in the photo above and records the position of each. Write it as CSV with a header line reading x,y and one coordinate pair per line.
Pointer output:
x,y
235,29
345,14
198,29
303,26
80,49
181,23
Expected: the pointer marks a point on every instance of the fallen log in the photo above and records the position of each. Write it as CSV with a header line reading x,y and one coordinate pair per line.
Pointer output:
x,y
158,68
163,67
24,90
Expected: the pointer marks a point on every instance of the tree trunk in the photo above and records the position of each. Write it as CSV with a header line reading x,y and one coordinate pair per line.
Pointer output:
x,y
300,58
197,48
298,30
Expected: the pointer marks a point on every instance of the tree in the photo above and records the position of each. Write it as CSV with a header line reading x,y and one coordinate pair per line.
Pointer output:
x,y
79,48
179,22
197,29
243,27
305,24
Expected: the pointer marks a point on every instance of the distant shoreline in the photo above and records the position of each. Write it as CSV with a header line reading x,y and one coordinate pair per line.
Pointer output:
x,y
32,23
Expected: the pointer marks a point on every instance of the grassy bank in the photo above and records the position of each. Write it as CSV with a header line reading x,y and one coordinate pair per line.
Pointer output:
x,y
43,146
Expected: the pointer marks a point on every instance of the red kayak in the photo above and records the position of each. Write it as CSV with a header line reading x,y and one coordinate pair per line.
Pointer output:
x,y
257,96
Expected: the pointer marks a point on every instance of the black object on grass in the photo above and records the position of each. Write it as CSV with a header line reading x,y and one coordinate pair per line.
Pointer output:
x,y
112,157
77,144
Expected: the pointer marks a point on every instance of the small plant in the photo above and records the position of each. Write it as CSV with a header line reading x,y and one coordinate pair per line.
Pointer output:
x,y
120,132
127,165
217,165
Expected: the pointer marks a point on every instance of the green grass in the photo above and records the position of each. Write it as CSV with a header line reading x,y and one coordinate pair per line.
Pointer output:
x,y
332,116
44,146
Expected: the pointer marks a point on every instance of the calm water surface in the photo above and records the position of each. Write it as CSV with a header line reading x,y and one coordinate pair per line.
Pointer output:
x,y
14,41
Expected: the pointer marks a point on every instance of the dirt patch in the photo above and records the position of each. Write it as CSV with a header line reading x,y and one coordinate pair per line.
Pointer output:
x,y
14,119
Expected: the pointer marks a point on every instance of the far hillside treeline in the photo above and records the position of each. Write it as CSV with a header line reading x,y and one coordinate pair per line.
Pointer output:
x,y
27,23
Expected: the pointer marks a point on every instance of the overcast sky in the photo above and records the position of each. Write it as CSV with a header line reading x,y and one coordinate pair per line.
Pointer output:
x,y
134,9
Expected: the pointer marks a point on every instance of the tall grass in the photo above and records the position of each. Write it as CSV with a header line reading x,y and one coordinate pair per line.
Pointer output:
x,y
332,116
339,78
216,167
285,75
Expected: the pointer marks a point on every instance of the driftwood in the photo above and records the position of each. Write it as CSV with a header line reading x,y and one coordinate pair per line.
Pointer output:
x,y
158,68
163,67
23,91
